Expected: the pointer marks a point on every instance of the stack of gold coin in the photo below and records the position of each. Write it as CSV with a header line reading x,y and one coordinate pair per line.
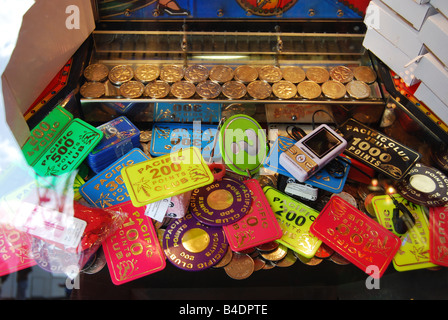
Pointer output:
x,y
333,89
196,73
146,73
294,74
270,74
317,74
259,89
183,89
309,89
121,74
365,74
96,72
246,73
358,89
284,89
234,89
132,89
221,74
341,74
157,89
92,90
171,73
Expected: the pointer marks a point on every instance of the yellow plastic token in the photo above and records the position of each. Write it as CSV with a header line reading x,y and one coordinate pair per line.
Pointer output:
x,y
166,176
295,219
414,250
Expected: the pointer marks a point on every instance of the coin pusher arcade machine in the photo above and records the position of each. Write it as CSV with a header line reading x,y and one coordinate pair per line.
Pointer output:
x,y
284,66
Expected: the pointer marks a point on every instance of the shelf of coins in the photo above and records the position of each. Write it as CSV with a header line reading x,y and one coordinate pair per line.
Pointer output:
x,y
221,83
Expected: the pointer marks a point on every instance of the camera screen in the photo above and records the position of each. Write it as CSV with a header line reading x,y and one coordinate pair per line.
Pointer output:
x,y
322,142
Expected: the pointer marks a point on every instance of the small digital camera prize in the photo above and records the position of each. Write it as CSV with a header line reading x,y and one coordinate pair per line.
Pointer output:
x,y
312,152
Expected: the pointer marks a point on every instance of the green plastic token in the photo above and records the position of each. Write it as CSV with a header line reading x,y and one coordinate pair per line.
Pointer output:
x,y
243,144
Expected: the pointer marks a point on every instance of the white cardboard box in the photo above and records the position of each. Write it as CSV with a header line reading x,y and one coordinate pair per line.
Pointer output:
x,y
411,11
391,55
441,5
434,34
391,26
432,101
433,74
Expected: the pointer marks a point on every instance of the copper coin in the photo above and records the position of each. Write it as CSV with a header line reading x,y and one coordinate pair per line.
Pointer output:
x,y
183,89
309,261
221,73
246,73
208,89
121,74
132,89
309,89
317,74
268,246
234,89
275,255
92,90
333,89
157,89
240,267
358,89
288,260
270,74
294,74
365,74
259,89
338,259
259,263
146,73
226,260
284,89
171,73
196,73
341,74
96,72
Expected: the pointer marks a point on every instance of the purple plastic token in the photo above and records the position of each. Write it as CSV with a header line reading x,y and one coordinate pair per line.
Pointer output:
x,y
220,203
190,245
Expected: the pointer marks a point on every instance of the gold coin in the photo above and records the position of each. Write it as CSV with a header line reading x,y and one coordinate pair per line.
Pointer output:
x,y
208,89
341,74
92,90
171,73
240,267
358,89
309,89
147,73
333,89
221,73
309,261
196,73
183,89
365,74
294,74
284,89
121,74
234,89
96,72
259,89
270,74
145,136
157,89
245,73
317,74
275,255
132,89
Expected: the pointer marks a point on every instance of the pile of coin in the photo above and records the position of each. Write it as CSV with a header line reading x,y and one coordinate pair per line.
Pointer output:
x,y
241,82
